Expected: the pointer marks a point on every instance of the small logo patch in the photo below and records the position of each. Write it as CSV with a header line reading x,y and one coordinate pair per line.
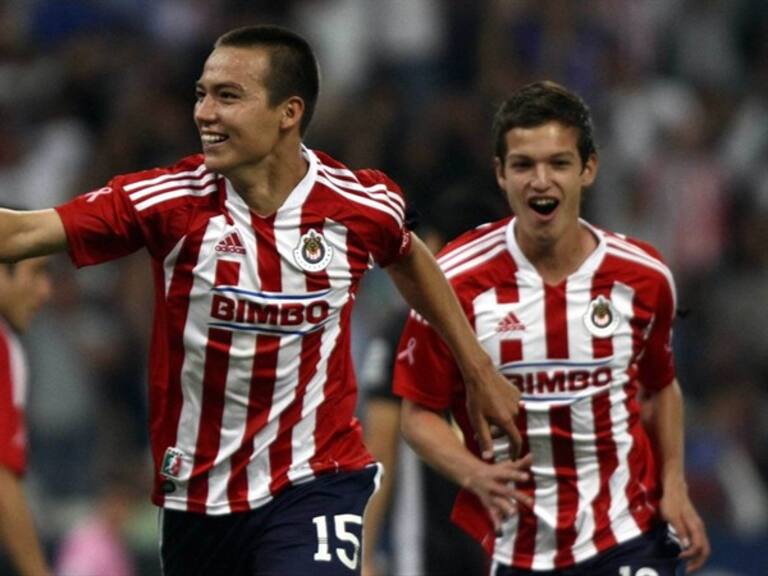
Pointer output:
x,y
172,461
510,323
313,252
601,318
231,244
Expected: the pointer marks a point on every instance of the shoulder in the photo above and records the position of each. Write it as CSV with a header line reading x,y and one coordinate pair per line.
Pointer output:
x,y
466,254
167,187
367,189
639,255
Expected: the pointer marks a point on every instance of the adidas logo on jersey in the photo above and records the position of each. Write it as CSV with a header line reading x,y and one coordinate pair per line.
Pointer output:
x,y
231,244
510,323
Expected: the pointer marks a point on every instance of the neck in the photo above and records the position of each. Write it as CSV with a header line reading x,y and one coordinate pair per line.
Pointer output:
x,y
265,185
557,259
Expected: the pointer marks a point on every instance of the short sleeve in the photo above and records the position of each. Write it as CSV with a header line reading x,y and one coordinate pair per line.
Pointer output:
x,y
101,225
389,238
656,365
425,371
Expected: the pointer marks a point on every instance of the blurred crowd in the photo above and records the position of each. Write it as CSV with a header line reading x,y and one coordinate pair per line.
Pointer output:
x,y
679,91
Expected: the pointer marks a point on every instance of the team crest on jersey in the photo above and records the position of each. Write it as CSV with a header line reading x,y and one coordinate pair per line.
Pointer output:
x,y
601,318
313,252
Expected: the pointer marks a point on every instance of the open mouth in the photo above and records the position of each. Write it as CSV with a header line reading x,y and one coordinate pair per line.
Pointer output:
x,y
543,206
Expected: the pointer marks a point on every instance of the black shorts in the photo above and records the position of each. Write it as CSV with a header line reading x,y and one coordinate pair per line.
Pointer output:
x,y
654,553
313,528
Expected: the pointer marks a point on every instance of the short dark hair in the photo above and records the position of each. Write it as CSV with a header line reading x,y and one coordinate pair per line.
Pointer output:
x,y
541,102
293,66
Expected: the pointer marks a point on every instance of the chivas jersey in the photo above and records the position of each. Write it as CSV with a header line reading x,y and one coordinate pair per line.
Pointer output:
x,y
251,380
13,391
579,352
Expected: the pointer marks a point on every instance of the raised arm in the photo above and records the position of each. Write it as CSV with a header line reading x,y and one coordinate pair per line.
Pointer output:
x,y
26,234
490,397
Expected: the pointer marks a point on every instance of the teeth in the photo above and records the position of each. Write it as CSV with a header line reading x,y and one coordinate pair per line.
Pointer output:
x,y
212,138
543,205
543,202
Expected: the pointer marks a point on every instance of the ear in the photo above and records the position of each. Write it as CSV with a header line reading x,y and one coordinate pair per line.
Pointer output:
x,y
498,167
589,172
293,112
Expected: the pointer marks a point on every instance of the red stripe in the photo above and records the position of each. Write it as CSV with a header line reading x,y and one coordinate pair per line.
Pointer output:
x,y
525,540
607,456
567,483
556,321
608,462
259,403
214,387
167,352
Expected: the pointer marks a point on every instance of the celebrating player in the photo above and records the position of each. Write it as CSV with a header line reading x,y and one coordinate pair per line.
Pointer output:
x,y
258,247
579,319
24,288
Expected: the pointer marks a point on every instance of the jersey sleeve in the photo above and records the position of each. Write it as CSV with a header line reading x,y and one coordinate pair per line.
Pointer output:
x,y
12,438
389,237
101,225
425,371
656,365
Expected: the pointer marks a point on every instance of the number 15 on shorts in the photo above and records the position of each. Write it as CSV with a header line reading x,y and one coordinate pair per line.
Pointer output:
x,y
349,555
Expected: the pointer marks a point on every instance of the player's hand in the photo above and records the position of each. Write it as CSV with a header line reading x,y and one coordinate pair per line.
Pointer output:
x,y
678,510
493,484
491,399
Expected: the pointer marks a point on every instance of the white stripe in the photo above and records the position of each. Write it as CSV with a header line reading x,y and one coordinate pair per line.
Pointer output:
x,y
142,183
469,250
210,189
193,364
169,264
484,257
172,184
363,200
379,191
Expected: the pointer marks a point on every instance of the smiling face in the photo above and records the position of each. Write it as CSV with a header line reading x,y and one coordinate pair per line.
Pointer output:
x,y
543,176
239,126
24,288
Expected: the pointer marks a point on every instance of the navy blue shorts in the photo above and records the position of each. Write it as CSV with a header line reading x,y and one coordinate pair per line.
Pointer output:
x,y
654,553
313,528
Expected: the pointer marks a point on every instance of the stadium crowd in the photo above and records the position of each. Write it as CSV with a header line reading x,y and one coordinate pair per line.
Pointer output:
x,y
678,89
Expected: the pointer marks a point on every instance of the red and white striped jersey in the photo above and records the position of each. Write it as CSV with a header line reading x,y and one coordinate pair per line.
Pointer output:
x,y
579,352
13,397
251,381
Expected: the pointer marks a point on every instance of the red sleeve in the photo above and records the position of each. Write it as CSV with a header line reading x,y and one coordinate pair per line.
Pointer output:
x,y
657,364
390,239
12,437
101,225
425,371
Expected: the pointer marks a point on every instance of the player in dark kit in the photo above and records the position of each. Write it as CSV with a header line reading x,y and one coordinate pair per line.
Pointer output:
x,y
258,246
579,319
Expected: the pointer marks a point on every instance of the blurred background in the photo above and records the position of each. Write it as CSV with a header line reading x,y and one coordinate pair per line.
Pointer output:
x,y
679,92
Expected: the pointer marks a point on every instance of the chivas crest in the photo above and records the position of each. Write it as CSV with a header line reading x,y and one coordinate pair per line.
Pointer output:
x,y
601,318
313,252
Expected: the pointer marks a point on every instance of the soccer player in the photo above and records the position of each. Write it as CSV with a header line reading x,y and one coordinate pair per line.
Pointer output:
x,y
579,319
24,288
258,247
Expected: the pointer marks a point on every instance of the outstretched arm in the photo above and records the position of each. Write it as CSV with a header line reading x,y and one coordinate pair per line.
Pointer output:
x,y
26,234
17,530
490,397
666,422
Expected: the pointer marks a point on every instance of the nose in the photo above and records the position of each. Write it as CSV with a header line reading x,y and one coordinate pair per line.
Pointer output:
x,y
204,110
541,177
